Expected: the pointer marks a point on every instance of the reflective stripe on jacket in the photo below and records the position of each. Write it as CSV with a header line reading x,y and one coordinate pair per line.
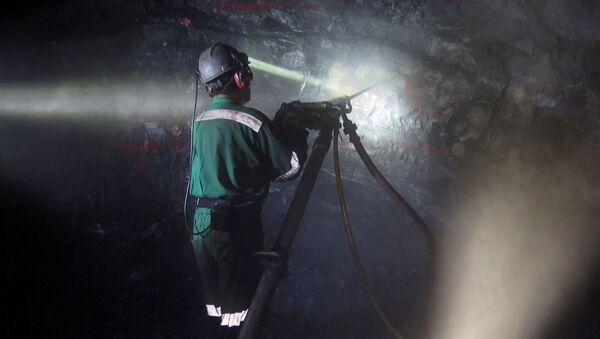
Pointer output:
x,y
235,152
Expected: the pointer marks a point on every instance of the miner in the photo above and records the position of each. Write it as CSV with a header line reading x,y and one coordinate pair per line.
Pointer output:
x,y
236,153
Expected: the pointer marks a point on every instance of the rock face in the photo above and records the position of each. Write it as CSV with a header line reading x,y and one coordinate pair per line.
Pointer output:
x,y
95,102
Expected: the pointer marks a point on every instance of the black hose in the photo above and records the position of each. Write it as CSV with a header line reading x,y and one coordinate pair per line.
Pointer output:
x,y
349,234
350,129
187,189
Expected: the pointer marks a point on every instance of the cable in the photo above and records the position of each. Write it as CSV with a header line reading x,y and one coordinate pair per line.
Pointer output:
x,y
349,234
350,129
187,189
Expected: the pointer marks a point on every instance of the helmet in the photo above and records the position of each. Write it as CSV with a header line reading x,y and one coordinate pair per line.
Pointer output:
x,y
219,59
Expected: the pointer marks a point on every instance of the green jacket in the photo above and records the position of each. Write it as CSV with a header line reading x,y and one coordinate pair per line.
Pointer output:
x,y
235,153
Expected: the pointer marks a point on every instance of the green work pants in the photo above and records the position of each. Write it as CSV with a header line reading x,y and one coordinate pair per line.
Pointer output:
x,y
229,273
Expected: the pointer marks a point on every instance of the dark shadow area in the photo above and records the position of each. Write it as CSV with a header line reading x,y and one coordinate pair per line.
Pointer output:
x,y
581,317
91,248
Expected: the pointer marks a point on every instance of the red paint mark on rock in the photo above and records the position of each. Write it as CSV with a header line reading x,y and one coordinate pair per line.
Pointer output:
x,y
413,91
231,6
429,148
151,146
442,112
184,22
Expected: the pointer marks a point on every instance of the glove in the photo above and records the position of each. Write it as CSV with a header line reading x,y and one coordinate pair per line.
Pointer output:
x,y
295,139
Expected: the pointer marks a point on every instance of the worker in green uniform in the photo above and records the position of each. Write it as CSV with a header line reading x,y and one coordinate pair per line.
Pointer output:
x,y
236,153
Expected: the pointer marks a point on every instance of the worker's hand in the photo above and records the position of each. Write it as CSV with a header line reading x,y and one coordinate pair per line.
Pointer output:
x,y
296,139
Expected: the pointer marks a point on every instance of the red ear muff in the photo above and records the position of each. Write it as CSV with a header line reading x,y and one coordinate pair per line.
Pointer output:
x,y
239,79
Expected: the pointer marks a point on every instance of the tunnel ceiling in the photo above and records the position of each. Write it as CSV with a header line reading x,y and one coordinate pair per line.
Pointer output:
x,y
453,57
